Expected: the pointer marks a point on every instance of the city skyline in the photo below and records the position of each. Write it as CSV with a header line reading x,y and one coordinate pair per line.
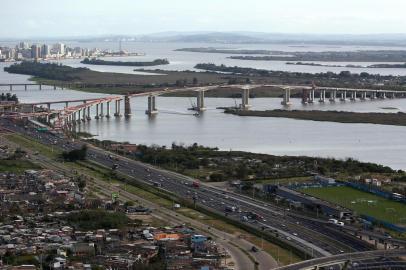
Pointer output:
x,y
94,18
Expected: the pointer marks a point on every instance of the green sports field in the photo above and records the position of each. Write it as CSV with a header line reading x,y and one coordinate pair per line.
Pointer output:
x,y
362,203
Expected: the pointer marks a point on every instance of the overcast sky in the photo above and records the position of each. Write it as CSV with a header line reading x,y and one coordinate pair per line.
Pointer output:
x,y
48,18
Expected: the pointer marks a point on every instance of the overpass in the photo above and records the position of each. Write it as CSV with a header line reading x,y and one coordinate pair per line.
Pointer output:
x,y
344,259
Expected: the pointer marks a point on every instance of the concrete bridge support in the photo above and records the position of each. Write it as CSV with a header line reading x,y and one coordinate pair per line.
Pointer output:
x,y
322,96
25,87
66,104
88,118
363,95
343,96
78,117
97,112
245,99
127,106
333,95
383,95
286,98
108,109
118,109
353,95
200,102
11,87
311,96
151,105
101,110
40,87
372,95
54,87
83,114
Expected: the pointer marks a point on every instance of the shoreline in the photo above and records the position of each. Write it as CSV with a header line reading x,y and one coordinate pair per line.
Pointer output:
x,y
393,119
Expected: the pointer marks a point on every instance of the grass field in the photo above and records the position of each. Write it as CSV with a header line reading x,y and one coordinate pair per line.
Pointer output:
x,y
362,203
17,166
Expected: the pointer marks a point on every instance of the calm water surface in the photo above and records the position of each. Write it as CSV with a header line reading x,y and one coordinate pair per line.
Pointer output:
x,y
174,123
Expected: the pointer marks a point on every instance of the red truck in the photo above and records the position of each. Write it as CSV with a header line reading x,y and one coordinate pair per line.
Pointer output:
x,y
196,184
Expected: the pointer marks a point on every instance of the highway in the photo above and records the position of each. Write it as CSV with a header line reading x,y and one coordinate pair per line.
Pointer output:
x,y
315,241
351,257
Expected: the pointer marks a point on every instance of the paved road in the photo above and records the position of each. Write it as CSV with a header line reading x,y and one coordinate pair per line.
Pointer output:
x,y
342,258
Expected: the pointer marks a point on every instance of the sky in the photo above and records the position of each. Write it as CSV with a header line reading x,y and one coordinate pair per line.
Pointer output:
x,y
53,18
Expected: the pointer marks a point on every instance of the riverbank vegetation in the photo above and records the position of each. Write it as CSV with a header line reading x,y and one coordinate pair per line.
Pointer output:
x,y
95,61
396,119
212,164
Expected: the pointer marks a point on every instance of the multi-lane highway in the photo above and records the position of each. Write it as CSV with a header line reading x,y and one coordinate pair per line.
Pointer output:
x,y
314,239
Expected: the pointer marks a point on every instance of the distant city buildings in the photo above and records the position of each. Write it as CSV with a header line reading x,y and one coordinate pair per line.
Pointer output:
x,y
26,51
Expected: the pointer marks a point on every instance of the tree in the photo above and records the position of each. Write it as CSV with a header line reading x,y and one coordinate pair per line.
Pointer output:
x,y
76,154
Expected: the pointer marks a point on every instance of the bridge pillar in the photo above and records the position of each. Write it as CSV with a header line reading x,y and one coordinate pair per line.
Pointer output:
x,y
311,96
127,106
83,114
108,109
97,112
372,95
11,87
322,96
333,95
101,110
286,98
353,95
151,106
343,96
25,87
383,95
40,87
118,109
66,104
54,87
49,106
200,102
78,118
88,118
245,99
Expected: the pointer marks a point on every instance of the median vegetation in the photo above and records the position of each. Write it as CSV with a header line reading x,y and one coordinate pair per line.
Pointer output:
x,y
156,62
396,119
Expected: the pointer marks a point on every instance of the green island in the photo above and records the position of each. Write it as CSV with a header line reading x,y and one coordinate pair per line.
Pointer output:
x,y
394,119
328,56
348,66
95,61
84,79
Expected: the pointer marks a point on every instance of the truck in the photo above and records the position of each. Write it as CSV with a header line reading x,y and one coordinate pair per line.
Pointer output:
x,y
230,208
196,184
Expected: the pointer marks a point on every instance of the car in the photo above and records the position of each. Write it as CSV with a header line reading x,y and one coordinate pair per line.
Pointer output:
x,y
295,234
254,249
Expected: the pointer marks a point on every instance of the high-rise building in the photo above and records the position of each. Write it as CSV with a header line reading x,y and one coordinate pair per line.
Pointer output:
x,y
35,51
60,48
24,45
45,50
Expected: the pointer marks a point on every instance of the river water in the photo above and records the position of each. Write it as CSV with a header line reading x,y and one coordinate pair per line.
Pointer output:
x,y
174,123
